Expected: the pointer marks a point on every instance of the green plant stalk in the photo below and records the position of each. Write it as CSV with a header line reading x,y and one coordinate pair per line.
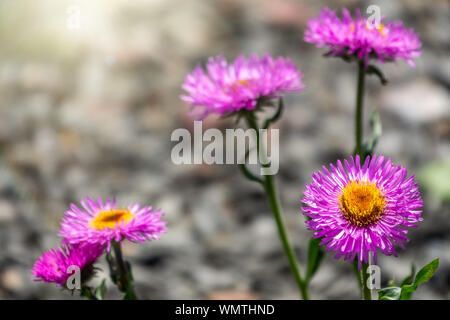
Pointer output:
x,y
366,292
125,283
359,110
362,279
270,189
87,292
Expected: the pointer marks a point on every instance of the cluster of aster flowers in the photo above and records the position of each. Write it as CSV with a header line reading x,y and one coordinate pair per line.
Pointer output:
x,y
354,37
361,209
88,231
355,208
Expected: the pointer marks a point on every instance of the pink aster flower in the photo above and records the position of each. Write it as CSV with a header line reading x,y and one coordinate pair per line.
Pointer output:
x,y
57,265
349,37
225,88
101,223
360,209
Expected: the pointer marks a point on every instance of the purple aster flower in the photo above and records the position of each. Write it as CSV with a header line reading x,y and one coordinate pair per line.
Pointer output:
x,y
225,88
360,209
101,223
57,265
348,37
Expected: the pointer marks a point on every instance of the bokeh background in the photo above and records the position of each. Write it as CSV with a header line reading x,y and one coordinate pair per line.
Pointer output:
x,y
89,111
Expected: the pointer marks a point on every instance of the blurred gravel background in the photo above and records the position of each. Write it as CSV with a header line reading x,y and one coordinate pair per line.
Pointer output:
x,y
90,112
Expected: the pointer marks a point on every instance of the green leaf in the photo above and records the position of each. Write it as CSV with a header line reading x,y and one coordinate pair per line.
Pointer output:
x,y
112,267
85,292
422,276
129,295
371,69
410,283
375,124
276,116
406,281
409,279
426,272
390,293
407,291
315,256
100,291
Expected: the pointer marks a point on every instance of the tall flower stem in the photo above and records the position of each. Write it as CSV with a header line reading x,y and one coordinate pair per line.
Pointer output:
x,y
366,293
272,196
125,279
362,279
359,109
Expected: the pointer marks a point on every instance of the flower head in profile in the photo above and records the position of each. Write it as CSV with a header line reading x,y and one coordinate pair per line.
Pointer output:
x,y
57,265
100,223
357,209
348,37
224,88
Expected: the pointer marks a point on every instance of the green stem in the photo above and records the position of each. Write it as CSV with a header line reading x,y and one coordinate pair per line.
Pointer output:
x,y
366,293
87,292
362,278
270,189
359,109
125,282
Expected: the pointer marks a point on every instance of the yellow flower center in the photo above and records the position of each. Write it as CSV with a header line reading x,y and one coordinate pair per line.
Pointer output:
x,y
362,203
235,85
111,218
240,82
381,29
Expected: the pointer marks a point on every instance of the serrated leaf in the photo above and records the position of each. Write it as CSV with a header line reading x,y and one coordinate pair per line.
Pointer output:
x,y
390,293
315,257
